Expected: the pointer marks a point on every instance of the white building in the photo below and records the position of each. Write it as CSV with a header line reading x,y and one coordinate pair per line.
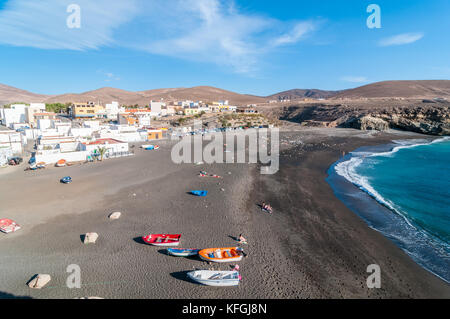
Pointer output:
x,y
13,140
33,109
156,108
5,153
44,124
112,110
124,133
95,125
15,114
63,127
81,132
113,147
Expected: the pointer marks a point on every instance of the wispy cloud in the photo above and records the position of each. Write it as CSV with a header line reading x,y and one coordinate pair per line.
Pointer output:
x,y
108,76
216,31
355,79
297,33
401,39
42,24
211,31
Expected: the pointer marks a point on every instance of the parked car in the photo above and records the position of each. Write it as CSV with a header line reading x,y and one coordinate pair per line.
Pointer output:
x,y
15,160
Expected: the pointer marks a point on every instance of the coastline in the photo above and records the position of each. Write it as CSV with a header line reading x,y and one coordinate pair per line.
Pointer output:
x,y
364,201
312,246
330,244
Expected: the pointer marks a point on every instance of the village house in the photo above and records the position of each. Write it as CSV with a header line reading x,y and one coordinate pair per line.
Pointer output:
x,y
140,117
87,110
12,140
32,110
114,148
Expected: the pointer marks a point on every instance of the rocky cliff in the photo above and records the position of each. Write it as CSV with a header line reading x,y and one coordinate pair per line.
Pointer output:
x,y
422,118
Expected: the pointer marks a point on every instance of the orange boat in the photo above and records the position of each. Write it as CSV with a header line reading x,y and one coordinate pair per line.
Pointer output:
x,y
61,163
221,255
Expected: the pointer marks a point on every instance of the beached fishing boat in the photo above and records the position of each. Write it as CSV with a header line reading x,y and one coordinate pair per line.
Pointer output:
x,y
220,278
182,252
162,239
40,165
61,163
221,255
66,180
8,226
199,193
150,147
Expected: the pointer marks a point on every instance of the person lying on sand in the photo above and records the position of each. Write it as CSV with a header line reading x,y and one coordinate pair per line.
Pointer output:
x,y
242,240
266,207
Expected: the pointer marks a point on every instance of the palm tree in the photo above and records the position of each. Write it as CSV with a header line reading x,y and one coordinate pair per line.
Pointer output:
x,y
102,151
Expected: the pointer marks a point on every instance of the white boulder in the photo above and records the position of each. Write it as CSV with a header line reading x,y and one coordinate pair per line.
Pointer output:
x,y
115,215
90,238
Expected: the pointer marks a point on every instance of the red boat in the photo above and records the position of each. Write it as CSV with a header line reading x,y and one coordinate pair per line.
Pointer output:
x,y
162,239
8,225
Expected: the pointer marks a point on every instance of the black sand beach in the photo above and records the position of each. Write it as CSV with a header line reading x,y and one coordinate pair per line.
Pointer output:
x,y
312,246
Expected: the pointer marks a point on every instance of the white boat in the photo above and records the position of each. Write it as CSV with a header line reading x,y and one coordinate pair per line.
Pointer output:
x,y
220,278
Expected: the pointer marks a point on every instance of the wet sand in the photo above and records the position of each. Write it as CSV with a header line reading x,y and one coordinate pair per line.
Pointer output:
x,y
313,246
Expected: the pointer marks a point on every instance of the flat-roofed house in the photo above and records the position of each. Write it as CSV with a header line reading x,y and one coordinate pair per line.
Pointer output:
x,y
87,110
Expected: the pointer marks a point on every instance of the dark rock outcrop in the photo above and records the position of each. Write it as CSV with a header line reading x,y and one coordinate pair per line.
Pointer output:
x,y
432,119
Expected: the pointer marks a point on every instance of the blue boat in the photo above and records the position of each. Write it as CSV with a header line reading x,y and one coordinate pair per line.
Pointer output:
x,y
66,180
199,193
182,252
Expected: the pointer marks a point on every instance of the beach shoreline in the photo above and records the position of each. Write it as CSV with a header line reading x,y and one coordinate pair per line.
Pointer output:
x,y
312,246
380,215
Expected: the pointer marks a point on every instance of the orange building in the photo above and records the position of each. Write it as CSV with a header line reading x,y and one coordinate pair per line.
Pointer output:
x,y
155,134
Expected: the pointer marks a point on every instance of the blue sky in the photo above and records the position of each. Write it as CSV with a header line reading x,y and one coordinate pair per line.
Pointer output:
x,y
248,46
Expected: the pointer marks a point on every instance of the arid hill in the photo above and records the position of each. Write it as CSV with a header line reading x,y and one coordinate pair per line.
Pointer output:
x,y
401,89
296,94
389,89
202,93
9,94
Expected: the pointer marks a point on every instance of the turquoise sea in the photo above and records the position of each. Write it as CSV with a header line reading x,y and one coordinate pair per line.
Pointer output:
x,y
405,195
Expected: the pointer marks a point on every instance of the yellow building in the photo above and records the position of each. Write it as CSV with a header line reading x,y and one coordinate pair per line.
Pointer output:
x,y
87,110
155,134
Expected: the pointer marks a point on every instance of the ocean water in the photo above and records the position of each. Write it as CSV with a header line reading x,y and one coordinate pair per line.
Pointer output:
x,y
410,183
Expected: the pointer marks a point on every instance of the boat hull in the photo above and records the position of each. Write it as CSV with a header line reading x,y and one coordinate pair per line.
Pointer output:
x,y
182,252
61,163
220,255
162,239
194,275
199,193
8,226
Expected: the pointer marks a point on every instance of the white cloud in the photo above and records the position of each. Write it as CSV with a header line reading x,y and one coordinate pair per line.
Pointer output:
x,y
211,31
355,79
109,76
43,24
216,31
299,31
401,39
